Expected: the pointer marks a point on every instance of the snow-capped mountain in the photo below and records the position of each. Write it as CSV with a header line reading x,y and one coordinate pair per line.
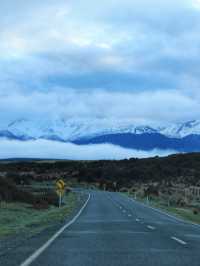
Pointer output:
x,y
68,130
181,130
180,137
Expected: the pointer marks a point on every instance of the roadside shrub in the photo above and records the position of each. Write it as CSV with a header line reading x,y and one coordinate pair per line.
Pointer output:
x,y
18,179
40,204
51,198
9,192
23,196
151,191
7,189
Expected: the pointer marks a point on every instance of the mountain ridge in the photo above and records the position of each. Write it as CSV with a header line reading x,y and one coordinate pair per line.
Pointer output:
x,y
73,129
184,137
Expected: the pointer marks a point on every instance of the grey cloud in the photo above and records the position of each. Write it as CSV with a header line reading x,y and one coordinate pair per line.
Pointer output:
x,y
147,106
148,49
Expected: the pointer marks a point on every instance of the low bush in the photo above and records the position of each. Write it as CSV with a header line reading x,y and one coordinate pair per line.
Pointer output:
x,y
195,211
10,193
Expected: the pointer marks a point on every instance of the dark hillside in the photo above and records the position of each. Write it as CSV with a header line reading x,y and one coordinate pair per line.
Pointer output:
x,y
181,167
146,141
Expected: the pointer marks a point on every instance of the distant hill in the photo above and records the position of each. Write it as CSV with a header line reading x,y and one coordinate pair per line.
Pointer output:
x,y
146,141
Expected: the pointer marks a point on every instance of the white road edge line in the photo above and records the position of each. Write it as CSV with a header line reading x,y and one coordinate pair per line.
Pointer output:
x,y
38,252
178,240
151,227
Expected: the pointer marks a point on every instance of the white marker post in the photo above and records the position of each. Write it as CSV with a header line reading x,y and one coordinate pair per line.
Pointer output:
x,y
60,199
147,199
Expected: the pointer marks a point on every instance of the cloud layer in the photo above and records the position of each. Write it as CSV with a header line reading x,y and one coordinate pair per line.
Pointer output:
x,y
148,107
45,149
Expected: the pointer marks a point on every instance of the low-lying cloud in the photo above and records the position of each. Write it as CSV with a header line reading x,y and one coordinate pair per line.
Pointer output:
x,y
45,149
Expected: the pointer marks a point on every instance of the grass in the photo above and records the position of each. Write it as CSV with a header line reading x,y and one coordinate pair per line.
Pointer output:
x,y
22,218
186,213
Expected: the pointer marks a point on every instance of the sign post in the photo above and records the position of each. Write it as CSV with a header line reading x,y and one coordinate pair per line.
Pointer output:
x,y
60,190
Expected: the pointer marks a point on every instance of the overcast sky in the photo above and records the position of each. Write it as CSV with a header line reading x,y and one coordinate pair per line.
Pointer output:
x,y
110,59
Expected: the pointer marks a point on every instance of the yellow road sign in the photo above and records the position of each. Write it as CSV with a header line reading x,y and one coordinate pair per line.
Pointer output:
x,y
60,184
60,190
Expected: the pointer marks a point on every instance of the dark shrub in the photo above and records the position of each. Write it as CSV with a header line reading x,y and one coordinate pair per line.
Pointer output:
x,y
51,198
195,211
40,204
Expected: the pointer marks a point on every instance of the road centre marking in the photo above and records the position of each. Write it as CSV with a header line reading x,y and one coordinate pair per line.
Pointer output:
x,y
151,227
178,240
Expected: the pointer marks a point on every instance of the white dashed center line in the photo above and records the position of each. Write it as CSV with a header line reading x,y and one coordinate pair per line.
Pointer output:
x,y
129,215
151,227
178,240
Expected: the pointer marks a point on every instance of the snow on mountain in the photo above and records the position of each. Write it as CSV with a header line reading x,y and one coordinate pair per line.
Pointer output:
x,y
69,130
181,130
55,129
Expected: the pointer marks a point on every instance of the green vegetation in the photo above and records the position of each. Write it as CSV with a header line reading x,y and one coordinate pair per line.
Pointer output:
x,y
186,213
22,218
28,186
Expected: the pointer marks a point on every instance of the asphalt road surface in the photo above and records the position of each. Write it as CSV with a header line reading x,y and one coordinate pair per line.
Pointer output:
x,y
115,230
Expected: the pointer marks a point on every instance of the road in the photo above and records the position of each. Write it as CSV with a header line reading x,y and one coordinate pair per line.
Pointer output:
x,y
115,230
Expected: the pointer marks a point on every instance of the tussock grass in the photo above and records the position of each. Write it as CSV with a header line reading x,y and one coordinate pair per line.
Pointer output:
x,y
186,213
20,217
